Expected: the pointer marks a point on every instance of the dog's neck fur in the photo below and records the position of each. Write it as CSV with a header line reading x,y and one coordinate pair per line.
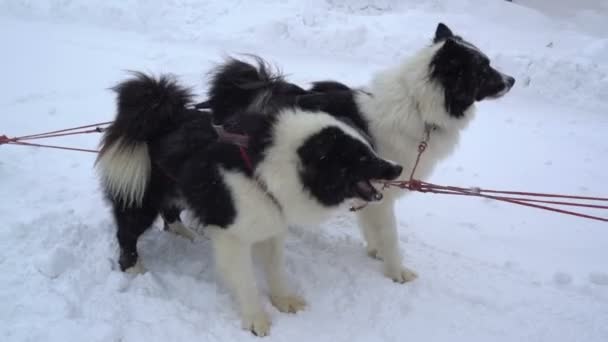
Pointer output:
x,y
404,102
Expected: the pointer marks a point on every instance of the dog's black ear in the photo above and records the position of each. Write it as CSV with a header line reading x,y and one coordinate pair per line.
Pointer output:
x,y
313,102
443,32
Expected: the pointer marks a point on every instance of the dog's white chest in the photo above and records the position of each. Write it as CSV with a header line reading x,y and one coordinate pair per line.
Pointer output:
x,y
258,217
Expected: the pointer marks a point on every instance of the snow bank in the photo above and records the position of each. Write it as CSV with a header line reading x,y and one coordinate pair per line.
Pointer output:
x,y
583,15
545,54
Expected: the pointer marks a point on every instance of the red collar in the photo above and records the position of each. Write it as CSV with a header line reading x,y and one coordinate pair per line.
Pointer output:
x,y
240,140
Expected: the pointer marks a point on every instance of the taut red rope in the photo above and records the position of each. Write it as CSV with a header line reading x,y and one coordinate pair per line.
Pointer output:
x,y
538,200
499,195
425,187
53,134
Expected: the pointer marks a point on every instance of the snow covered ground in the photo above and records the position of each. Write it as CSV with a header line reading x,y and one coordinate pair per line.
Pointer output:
x,y
488,271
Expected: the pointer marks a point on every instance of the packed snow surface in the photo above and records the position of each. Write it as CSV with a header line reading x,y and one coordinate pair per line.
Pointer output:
x,y
488,271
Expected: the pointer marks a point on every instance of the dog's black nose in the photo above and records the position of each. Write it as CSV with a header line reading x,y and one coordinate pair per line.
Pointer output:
x,y
393,172
510,81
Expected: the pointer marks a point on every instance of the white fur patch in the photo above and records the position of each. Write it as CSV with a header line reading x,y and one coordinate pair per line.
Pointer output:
x,y
180,229
125,171
136,269
258,217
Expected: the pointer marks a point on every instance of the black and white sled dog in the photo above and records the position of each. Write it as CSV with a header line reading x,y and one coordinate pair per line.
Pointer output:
x,y
159,156
431,93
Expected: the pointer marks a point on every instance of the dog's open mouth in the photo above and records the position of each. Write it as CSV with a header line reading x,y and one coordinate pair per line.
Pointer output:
x,y
499,94
366,191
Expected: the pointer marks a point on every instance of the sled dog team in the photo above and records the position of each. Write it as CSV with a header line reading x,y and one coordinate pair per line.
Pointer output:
x,y
267,153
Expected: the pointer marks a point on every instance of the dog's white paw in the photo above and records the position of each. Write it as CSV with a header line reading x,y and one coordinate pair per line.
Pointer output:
x,y
288,304
258,323
401,274
374,253
180,229
136,269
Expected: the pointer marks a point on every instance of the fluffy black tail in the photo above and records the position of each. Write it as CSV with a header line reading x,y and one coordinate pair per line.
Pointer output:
x,y
238,86
146,106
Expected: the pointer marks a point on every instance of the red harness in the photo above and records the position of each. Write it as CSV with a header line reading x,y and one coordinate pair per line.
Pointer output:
x,y
240,140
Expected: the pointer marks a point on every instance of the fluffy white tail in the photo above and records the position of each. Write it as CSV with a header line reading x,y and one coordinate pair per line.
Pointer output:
x,y
125,170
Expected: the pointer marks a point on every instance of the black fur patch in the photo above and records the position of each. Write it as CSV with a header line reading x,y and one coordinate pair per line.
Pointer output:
x,y
464,73
204,189
189,133
133,221
145,105
338,100
194,155
329,86
238,87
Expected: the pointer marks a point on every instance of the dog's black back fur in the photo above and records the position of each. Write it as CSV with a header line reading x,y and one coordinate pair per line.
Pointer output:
x,y
338,100
237,86
145,108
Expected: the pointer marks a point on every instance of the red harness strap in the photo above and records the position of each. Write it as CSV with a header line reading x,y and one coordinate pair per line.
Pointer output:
x,y
246,158
240,140
53,134
514,197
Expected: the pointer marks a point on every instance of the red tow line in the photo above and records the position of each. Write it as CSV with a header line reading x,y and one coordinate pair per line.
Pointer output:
x,y
530,199
22,140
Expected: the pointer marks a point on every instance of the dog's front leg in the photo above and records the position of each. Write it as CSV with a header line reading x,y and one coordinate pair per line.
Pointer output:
x,y
272,252
234,262
379,227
